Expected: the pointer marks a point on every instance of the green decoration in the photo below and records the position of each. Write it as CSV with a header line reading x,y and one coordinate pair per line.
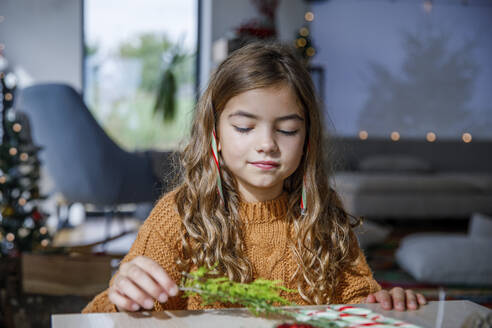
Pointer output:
x,y
22,225
260,297
304,44
166,91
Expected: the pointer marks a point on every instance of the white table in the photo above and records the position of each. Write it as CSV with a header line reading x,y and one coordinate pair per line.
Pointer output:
x,y
455,313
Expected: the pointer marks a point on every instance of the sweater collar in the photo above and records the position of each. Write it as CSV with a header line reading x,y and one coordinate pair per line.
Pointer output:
x,y
266,211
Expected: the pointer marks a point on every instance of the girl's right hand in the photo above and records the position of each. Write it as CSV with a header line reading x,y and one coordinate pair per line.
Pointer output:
x,y
138,283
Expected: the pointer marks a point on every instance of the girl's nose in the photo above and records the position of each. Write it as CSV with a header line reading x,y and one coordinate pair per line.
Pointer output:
x,y
267,143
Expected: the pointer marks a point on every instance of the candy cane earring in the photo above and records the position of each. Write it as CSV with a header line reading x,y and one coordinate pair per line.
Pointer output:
x,y
303,190
215,155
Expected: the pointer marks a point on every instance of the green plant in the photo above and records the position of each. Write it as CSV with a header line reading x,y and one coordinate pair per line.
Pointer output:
x,y
260,297
166,92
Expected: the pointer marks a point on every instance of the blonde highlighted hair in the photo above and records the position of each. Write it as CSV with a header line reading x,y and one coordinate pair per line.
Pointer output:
x,y
212,232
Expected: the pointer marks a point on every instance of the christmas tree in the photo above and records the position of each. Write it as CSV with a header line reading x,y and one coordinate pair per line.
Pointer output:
x,y
21,223
304,44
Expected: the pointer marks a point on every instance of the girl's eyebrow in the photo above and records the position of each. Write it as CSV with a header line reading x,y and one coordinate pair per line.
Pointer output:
x,y
282,118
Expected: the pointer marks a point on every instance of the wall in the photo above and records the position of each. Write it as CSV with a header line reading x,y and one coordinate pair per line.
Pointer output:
x,y
394,66
43,40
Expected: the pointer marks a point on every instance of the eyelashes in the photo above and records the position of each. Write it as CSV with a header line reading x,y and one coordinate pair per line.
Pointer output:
x,y
246,130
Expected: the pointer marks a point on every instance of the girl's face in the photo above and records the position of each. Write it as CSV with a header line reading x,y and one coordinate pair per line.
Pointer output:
x,y
261,135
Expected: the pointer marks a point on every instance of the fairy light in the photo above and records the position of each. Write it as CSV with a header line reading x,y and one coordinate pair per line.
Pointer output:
x,y
395,136
301,42
310,51
24,156
44,242
303,31
309,16
13,151
467,137
3,179
8,96
363,135
17,127
43,230
22,201
427,6
430,137
10,237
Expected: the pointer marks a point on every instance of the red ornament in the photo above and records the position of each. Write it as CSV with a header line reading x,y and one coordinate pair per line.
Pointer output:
x,y
36,215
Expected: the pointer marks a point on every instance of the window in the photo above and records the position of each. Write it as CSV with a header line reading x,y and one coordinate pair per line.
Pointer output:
x,y
129,50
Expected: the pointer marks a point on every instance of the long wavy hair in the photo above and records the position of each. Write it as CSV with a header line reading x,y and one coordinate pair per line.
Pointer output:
x,y
212,230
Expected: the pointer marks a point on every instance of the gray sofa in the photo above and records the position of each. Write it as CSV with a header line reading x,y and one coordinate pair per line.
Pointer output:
x,y
410,179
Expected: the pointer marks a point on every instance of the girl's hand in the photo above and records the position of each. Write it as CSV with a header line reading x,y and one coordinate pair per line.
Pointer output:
x,y
398,298
138,283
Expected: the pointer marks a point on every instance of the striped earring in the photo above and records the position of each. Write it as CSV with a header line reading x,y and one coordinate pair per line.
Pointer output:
x,y
303,191
215,155
303,197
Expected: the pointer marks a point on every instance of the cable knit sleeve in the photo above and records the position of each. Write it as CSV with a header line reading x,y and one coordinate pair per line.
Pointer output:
x,y
159,239
356,281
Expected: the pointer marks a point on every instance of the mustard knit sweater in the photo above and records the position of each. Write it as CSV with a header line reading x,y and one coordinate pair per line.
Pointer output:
x,y
266,238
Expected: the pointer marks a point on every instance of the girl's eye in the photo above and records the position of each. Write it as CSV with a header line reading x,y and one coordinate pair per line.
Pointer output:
x,y
289,133
246,130
242,130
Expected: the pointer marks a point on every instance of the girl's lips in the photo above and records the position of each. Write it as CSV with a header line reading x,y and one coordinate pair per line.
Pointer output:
x,y
265,166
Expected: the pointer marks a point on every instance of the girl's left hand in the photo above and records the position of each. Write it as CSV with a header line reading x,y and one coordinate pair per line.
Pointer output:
x,y
398,298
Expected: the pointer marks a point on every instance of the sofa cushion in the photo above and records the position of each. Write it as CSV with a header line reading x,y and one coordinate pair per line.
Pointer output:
x,y
408,182
370,233
480,226
446,258
395,163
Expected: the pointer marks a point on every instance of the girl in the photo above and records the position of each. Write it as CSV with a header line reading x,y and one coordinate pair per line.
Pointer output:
x,y
254,198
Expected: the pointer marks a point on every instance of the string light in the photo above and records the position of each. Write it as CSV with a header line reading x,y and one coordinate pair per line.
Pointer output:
x,y
427,6
22,201
3,179
10,237
467,137
304,31
310,51
44,242
13,151
17,127
363,135
301,42
43,230
8,96
395,136
24,156
431,136
309,16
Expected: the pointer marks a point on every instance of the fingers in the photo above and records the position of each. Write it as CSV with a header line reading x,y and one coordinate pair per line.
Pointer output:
x,y
122,302
371,298
128,288
398,298
411,299
384,298
158,274
421,299
139,282
145,282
